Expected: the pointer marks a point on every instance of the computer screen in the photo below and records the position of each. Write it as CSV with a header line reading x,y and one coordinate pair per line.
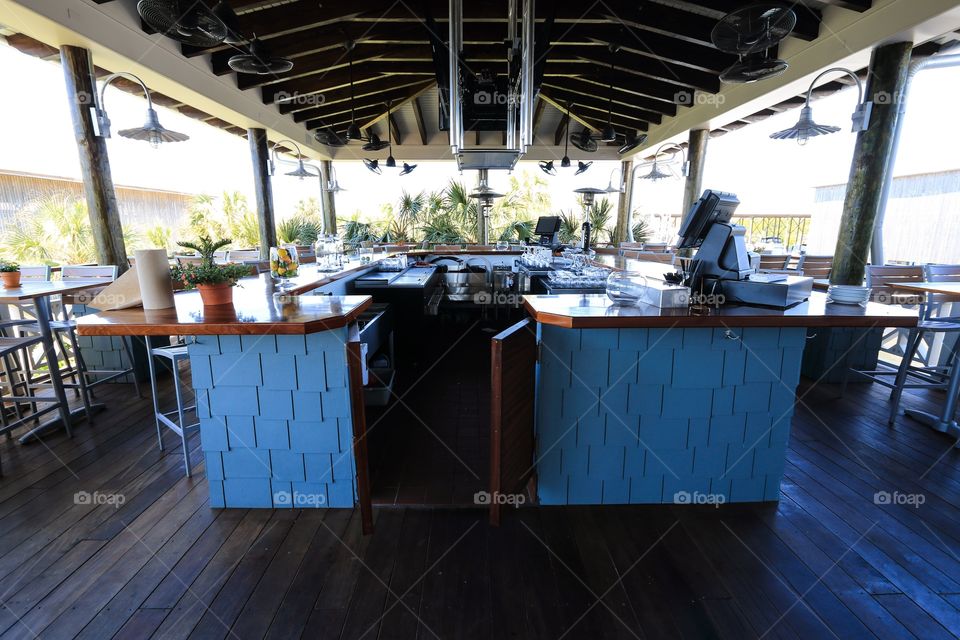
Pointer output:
x,y
547,225
713,206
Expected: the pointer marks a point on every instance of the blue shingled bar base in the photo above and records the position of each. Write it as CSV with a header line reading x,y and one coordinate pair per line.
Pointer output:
x,y
831,352
665,415
275,422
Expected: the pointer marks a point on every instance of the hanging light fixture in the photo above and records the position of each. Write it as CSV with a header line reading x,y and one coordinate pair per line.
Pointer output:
x,y
620,188
609,134
353,131
655,172
300,172
332,185
391,162
548,167
151,131
806,128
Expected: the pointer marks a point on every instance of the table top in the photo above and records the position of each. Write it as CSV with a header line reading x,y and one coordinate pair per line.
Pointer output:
x,y
31,289
574,311
948,288
259,308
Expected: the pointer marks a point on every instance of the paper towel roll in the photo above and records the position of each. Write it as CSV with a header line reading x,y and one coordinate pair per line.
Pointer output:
x,y
153,272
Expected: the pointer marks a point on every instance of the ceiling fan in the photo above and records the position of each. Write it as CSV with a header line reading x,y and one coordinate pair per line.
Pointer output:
x,y
391,162
547,166
750,32
193,22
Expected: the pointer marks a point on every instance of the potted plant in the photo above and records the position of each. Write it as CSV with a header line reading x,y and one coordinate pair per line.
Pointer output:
x,y
10,273
215,282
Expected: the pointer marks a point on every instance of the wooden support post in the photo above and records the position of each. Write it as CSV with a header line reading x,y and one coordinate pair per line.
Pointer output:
x,y
869,170
260,155
623,232
98,188
697,156
328,202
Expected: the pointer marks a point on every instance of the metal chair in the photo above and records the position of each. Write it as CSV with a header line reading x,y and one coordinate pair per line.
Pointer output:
x,y
927,376
244,255
20,391
175,354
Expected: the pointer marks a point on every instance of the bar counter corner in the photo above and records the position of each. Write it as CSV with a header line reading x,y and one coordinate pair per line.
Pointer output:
x,y
273,386
647,405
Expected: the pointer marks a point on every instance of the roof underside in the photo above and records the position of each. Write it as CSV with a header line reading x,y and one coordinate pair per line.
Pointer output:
x,y
665,59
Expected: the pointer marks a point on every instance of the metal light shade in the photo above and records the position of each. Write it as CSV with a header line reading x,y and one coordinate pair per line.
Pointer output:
x,y
609,134
581,167
655,173
391,162
805,128
152,131
333,187
373,165
589,193
565,162
407,168
301,171
547,167
353,131
375,144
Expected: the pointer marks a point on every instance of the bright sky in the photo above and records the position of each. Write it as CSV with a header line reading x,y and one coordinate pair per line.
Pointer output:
x,y
769,176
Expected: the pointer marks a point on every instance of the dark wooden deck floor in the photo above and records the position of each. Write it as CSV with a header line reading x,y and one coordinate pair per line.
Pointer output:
x,y
827,561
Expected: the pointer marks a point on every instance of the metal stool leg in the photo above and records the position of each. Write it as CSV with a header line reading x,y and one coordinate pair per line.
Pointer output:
x,y
897,392
81,370
153,390
180,419
70,371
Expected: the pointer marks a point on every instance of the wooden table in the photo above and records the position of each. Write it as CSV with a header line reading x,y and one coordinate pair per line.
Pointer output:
x,y
39,293
945,422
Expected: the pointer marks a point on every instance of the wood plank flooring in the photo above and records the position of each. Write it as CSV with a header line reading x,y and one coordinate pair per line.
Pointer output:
x,y
827,561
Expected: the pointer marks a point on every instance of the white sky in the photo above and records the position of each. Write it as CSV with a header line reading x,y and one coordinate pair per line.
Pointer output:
x,y
769,176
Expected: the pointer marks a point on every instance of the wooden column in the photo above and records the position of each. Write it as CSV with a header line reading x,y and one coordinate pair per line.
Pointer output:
x,y
328,202
869,169
260,155
697,156
623,231
101,198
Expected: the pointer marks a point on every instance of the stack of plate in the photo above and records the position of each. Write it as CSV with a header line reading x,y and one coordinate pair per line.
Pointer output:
x,y
848,294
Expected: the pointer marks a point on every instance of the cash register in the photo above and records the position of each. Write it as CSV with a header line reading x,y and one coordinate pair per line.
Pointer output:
x,y
548,231
721,264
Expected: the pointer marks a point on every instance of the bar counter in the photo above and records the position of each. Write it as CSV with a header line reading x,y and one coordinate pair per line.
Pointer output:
x,y
643,405
274,384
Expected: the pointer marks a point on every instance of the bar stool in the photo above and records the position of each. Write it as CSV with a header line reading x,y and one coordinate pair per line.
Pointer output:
x,y
175,354
18,349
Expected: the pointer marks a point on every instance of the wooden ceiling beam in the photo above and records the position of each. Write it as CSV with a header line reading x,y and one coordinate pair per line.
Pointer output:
x,y
397,105
302,110
599,77
379,98
598,103
580,86
561,130
418,116
299,89
395,130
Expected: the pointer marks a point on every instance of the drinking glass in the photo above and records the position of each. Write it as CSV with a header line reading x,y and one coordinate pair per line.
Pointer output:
x,y
284,264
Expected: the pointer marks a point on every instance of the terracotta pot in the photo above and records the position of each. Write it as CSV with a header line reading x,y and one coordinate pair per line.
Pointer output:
x,y
216,294
11,279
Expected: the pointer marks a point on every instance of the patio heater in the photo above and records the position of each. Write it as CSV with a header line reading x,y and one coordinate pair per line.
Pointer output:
x,y
485,196
588,194
151,131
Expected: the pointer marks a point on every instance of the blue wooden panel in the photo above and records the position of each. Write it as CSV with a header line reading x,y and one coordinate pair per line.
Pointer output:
x,y
204,346
280,371
616,491
590,431
335,370
663,433
752,397
310,371
200,374
606,462
230,344
317,436
276,404
632,339
341,495
697,369
233,401
248,493
645,399
246,463
258,344
585,491
287,465
726,429
240,433
318,467
593,340
576,461
623,367
336,403
213,434
292,345
272,434
622,430
216,494
687,403
646,490
214,465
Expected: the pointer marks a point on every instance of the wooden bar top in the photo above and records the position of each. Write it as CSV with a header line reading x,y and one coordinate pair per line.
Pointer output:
x,y
256,310
597,311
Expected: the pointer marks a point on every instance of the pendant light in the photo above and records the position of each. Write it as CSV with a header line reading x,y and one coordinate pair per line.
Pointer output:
x,y
151,131
547,166
806,128
353,131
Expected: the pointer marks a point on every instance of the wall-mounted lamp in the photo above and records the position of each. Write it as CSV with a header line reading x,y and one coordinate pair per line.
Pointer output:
x,y
300,172
806,128
151,131
655,172
621,185
332,185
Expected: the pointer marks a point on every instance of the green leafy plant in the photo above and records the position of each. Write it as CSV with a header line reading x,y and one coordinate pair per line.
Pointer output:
x,y
569,227
600,215
641,230
298,230
7,266
208,273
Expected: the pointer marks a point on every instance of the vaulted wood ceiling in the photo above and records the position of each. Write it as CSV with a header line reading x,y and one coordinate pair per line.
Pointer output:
x,y
665,54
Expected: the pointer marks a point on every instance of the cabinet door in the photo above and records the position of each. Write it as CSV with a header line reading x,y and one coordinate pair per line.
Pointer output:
x,y
513,373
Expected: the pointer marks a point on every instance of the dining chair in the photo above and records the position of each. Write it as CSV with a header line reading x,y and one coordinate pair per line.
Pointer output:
x,y
773,263
932,323
244,255
817,267
14,353
630,254
656,247
186,260
306,254
448,247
